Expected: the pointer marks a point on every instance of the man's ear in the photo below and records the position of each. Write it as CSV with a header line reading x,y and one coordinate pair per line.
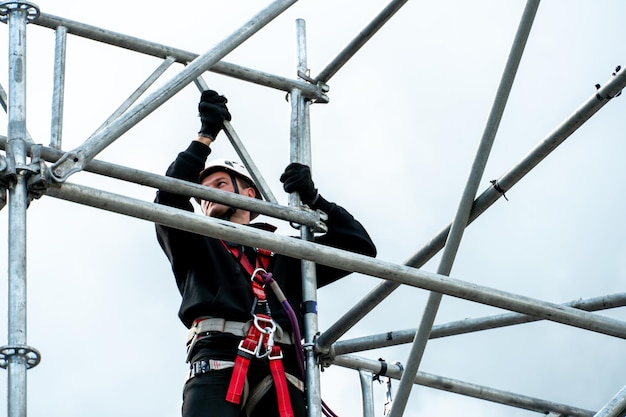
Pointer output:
x,y
251,192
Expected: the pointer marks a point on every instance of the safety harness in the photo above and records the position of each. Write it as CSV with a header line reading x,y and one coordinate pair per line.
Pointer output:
x,y
259,340
260,336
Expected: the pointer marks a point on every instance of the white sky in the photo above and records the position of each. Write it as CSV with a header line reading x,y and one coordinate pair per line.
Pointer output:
x,y
394,146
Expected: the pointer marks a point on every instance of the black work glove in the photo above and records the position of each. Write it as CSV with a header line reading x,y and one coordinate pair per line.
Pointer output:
x,y
213,112
297,177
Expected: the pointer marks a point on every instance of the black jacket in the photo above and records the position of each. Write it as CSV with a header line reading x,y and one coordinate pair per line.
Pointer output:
x,y
211,281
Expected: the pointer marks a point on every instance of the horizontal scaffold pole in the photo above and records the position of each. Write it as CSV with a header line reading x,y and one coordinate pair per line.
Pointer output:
x,y
305,217
454,328
311,91
337,258
464,388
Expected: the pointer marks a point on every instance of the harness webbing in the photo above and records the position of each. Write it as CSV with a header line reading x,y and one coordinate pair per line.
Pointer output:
x,y
259,340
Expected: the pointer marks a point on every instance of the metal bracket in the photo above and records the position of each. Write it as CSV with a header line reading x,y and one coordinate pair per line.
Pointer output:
x,y
31,355
7,7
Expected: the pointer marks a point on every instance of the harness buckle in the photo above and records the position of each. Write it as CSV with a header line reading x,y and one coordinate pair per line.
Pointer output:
x,y
248,351
264,329
279,355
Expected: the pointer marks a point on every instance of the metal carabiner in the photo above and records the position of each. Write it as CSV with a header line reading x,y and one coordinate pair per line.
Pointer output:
x,y
258,271
265,331
268,345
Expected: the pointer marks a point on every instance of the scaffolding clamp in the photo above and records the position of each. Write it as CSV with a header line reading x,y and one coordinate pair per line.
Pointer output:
x,y
323,87
39,180
35,172
319,224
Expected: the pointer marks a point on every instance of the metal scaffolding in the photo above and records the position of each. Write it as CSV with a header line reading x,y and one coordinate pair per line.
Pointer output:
x,y
29,171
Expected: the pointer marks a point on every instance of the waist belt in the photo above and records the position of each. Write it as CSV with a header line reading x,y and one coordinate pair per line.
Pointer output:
x,y
203,326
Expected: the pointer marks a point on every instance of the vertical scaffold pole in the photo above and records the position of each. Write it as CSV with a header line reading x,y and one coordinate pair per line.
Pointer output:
x,y
58,90
17,357
300,151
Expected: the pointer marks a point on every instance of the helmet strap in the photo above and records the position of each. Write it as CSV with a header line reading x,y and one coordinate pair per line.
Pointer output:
x,y
231,210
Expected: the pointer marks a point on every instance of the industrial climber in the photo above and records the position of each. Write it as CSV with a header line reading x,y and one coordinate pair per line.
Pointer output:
x,y
242,304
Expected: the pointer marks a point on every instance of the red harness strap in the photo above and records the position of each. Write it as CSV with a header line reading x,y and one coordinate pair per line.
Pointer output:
x,y
259,340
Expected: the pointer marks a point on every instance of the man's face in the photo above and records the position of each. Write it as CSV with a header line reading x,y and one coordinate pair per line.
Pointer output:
x,y
221,181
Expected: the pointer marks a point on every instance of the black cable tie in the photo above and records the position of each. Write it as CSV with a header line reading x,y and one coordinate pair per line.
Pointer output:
x,y
383,370
617,69
498,188
598,96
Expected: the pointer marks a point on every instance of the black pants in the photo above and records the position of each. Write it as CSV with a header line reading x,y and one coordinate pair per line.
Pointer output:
x,y
205,395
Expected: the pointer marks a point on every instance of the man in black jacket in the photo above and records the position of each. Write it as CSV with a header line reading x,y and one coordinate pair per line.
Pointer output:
x,y
222,307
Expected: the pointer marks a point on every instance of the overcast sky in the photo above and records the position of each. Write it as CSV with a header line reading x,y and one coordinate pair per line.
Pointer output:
x,y
394,146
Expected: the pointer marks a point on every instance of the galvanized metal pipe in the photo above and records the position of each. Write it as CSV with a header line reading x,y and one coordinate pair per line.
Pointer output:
x,y
245,157
299,144
58,91
241,150
398,337
3,104
465,388
184,57
337,258
362,38
616,407
309,218
16,362
367,392
465,206
481,204
76,159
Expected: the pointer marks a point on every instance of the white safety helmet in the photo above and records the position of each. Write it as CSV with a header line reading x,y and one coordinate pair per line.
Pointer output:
x,y
235,169
232,167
